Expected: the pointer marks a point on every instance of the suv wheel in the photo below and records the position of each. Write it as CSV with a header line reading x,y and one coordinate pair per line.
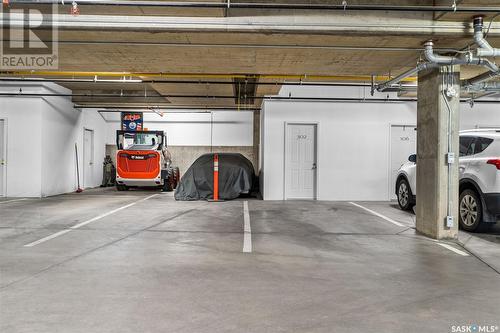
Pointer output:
x,y
405,196
470,210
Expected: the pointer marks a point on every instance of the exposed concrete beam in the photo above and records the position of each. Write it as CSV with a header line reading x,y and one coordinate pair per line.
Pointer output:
x,y
355,24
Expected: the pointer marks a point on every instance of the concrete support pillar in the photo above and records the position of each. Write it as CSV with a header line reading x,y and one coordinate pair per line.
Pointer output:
x,y
437,122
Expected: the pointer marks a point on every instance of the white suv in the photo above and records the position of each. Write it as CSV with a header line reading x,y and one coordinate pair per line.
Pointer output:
x,y
479,172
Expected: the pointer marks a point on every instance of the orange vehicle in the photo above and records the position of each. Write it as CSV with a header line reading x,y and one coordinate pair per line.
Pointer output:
x,y
142,159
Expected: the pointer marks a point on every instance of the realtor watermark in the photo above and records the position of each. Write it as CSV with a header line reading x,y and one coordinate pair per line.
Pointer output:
x,y
475,328
29,37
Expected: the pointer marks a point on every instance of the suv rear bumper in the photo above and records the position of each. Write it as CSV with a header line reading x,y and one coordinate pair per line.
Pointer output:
x,y
492,207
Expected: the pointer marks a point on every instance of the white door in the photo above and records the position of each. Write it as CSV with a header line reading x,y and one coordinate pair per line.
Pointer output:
x,y
88,158
3,157
403,144
300,161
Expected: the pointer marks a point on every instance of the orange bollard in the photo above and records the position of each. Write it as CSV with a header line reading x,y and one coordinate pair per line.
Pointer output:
x,y
216,177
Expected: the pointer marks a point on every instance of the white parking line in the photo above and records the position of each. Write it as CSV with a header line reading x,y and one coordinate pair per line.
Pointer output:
x,y
451,248
7,201
379,215
76,226
247,236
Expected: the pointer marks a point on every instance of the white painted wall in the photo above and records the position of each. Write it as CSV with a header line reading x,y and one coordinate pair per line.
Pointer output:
x,y
23,115
229,128
42,132
92,120
353,140
63,126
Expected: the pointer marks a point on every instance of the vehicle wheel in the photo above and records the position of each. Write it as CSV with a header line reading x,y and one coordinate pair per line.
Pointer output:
x,y
168,183
470,210
404,195
121,187
177,176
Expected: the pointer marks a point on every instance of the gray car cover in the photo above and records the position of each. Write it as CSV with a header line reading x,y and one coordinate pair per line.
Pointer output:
x,y
236,176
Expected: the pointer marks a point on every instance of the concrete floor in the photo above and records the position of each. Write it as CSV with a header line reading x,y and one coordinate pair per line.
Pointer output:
x,y
166,266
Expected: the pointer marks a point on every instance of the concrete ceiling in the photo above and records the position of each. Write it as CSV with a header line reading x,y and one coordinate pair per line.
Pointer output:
x,y
277,43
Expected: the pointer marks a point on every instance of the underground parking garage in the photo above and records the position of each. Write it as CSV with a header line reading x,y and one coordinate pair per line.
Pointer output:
x,y
229,166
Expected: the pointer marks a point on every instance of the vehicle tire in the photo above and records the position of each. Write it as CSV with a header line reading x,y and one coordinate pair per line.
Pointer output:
x,y
470,210
121,187
405,197
168,183
177,176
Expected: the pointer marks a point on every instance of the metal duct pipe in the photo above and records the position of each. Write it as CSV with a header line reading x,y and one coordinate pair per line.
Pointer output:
x,y
274,98
204,82
104,107
481,78
399,87
390,84
465,59
485,86
436,60
158,76
439,59
267,98
251,5
154,109
485,49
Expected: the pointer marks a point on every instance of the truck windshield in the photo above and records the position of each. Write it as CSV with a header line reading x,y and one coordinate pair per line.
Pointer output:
x,y
140,141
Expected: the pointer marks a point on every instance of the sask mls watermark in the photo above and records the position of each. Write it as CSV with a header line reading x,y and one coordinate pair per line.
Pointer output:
x,y
474,328
28,37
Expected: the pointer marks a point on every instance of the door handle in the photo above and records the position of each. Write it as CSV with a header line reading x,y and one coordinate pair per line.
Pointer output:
x,y
314,166
2,162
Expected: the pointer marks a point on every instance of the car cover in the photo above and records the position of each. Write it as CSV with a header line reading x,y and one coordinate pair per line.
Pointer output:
x,y
236,176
